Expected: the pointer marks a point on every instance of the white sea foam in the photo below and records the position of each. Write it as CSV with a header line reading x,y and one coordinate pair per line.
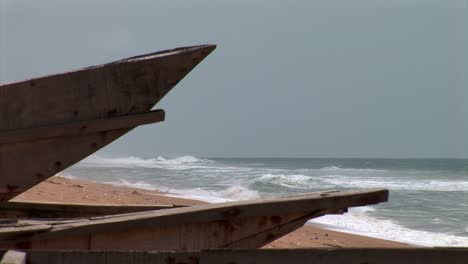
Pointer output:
x,y
357,221
349,181
340,169
137,184
66,175
227,181
232,193
179,163
239,192
397,184
292,181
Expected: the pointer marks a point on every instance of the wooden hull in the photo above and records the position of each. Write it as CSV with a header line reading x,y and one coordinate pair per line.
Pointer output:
x,y
259,256
246,224
50,123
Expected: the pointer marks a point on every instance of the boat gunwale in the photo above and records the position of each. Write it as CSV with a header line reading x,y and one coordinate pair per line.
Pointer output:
x,y
304,204
133,59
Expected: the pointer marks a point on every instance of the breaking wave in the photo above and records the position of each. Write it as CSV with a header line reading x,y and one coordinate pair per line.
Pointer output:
x,y
340,169
291,181
357,221
301,181
398,184
137,184
232,193
219,180
179,163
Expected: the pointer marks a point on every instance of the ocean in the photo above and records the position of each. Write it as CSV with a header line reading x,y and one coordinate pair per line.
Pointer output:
x,y
428,202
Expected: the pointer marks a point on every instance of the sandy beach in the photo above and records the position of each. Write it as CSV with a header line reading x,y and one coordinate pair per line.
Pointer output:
x,y
59,189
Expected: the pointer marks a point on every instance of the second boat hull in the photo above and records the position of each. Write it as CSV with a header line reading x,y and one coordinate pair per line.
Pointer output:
x,y
246,224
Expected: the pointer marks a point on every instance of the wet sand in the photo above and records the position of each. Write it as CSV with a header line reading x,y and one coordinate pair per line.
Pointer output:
x,y
59,189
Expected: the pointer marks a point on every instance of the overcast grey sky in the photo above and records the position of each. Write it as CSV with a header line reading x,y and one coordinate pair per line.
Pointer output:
x,y
288,79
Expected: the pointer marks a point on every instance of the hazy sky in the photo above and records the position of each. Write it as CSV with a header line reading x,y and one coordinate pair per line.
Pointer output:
x,y
289,78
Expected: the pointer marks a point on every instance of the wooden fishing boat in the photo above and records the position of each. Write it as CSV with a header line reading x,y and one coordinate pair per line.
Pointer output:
x,y
50,123
245,224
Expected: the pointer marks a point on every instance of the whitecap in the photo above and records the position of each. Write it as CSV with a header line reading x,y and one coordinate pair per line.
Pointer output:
x,y
357,221
338,168
396,183
66,175
232,193
178,163
137,184
292,180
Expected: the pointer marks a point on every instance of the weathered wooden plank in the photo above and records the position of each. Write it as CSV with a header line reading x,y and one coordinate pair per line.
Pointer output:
x,y
338,256
267,236
18,232
311,202
13,257
214,234
197,227
117,89
258,256
12,223
79,128
132,85
111,257
16,209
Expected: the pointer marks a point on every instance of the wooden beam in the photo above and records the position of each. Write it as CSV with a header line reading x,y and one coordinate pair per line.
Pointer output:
x,y
310,202
258,256
271,234
338,256
16,209
248,224
80,128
